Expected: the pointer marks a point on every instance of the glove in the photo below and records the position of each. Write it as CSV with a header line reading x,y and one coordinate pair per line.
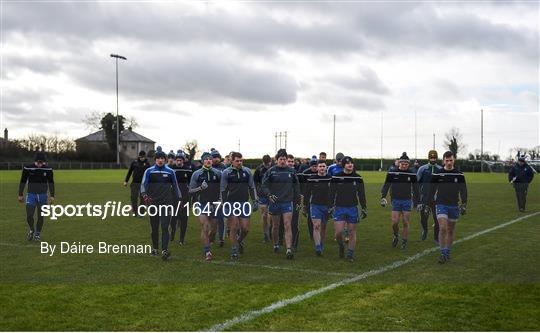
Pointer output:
x,y
363,213
426,209
299,207
204,185
255,206
147,199
384,202
419,208
330,212
463,209
273,198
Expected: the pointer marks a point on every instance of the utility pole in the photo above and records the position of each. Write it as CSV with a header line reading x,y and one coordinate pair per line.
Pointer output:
x,y
238,145
415,137
434,141
482,140
285,140
381,139
334,139
116,56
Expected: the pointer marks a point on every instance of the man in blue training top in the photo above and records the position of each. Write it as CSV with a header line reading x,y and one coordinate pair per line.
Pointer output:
x,y
160,189
520,176
447,188
404,192
336,168
40,181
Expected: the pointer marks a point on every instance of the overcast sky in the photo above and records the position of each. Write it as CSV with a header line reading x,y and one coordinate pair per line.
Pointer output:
x,y
223,72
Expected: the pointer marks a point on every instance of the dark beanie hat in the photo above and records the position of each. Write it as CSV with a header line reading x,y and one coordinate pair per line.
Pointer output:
x,y
404,157
40,156
142,153
160,153
346,160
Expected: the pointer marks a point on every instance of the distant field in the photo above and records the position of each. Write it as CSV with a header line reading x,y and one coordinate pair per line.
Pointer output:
x,y
492,283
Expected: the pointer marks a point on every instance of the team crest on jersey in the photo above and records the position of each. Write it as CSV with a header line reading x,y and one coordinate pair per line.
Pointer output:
x,y
408,179
165,175
289,175
455,180
44,174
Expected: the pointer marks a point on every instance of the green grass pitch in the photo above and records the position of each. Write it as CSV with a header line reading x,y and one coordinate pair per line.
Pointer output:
x,y
492,283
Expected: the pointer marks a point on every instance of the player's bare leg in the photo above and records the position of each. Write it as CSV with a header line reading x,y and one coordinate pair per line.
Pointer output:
x,y
405,232
338,234
395,227
351,227
317,235
287,223
276,220
233,225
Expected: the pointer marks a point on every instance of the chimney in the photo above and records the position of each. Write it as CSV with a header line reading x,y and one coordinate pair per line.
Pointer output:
x,y
5,134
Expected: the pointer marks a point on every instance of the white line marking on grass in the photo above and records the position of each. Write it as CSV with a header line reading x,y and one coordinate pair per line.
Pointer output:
x,y
302,270
247,316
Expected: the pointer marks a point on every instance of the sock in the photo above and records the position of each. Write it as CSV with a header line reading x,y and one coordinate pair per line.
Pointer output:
x,y
233,250
350,252
318,247
206,248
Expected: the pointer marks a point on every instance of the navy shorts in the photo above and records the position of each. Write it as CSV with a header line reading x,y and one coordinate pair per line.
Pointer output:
x,y
448,212
279,208
36,199
401,205
319,212
346,214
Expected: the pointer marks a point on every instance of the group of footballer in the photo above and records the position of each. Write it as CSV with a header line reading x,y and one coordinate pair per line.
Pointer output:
x,y
282,190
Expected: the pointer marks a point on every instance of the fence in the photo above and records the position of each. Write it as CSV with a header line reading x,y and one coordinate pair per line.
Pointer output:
x,y
64,165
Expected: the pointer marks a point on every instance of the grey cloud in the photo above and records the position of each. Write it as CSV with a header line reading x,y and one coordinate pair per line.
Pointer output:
x,y
365,80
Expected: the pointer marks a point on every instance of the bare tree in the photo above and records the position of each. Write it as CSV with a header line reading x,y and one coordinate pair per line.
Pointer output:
x,y
191,148
454,141
93,120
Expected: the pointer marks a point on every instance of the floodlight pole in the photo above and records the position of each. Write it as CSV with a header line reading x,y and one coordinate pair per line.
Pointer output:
x,y
334,138
482,140
116,57
381,140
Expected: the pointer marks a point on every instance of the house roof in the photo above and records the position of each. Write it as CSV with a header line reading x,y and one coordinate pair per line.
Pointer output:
x,y
126,136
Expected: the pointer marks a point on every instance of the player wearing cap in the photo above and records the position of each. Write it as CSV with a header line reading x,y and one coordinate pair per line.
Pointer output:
x,y
263,198
423,176
237,186
170,159
280,184
317,193
346,192
520,176
183,173
447,188
40,180
401,183
204,186
336,168
136,170
160,188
